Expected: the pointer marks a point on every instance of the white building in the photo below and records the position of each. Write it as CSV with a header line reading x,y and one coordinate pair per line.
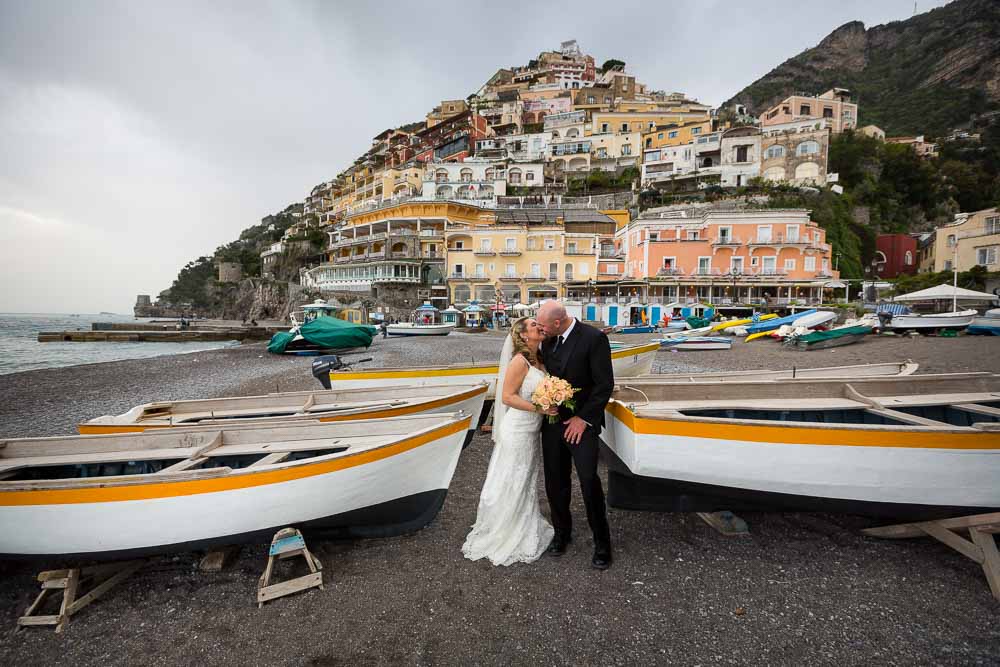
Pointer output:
x,y
479,180
740,153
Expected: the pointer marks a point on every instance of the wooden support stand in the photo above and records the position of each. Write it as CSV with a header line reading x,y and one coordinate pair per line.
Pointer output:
x,y
288,543
980,547
101,578
726,522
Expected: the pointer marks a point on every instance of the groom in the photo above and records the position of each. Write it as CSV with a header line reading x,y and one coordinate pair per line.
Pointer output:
x,y
581,355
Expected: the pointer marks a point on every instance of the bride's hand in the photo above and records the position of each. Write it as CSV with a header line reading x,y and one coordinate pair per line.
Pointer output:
x,y
552,411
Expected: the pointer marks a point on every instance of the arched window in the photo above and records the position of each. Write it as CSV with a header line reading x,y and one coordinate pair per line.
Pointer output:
x,y
514,176
462,293
774,174
488,176
572,133
568,272
908,258
775,151
807,171
807,148
465,175
441,175
555,134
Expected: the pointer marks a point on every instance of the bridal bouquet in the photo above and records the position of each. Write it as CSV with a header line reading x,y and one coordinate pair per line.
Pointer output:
x,y
553,391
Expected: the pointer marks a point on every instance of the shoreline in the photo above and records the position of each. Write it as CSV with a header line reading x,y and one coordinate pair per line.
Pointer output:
x,y
800,589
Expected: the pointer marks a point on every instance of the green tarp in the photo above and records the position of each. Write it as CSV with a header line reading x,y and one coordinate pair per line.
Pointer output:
x,y
817,336
328,333
697,322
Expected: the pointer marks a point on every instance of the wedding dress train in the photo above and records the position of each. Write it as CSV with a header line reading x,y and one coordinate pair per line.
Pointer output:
x,y
509,525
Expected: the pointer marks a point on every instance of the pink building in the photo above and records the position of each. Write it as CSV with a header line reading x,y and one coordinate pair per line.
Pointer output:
x,y
835,105
728,256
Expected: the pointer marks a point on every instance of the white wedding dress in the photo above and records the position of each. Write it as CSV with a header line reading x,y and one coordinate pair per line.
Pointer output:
x,y
509,525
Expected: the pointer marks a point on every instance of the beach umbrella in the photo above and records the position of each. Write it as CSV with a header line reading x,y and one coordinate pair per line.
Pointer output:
x,y
946,292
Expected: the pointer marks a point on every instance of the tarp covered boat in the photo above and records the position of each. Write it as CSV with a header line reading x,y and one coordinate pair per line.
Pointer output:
x,y
323,333
117,496
911,448
821,340
772,324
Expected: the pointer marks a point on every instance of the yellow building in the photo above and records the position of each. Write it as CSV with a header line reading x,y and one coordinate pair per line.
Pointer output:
x,y
528,255
972,240
641,121
675,134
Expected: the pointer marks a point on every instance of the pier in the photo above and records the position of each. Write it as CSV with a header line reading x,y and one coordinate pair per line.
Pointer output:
x,y
139,332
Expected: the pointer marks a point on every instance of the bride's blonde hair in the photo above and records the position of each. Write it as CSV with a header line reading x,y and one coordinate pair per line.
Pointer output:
x,y
520,345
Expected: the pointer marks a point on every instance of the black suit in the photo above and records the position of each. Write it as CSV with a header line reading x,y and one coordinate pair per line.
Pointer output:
x,y
584,360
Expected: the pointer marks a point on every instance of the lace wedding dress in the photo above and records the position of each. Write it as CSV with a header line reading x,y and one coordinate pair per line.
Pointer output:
x,y
509,526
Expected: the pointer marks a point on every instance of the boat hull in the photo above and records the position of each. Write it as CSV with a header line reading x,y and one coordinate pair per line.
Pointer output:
x,y
706,343
984,326
419,330
682,465
378,492
627,362
931,322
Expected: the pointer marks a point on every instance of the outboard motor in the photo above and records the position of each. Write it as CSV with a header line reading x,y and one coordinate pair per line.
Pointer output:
x,y
884,319
322,366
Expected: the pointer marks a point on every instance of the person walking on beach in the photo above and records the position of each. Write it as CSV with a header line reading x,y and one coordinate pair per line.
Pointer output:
x,y
509,525
581,355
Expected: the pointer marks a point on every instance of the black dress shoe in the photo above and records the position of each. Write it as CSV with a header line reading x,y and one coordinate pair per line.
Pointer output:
x,y
601,560
557,547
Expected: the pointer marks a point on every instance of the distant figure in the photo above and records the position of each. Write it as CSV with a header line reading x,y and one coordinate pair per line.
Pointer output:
x,y
253,323
385,329
244,320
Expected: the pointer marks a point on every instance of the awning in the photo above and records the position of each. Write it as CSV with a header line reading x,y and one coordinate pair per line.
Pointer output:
x,y
946,292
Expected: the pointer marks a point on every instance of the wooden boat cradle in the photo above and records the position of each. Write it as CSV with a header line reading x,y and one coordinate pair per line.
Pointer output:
x,y
187,454
877,401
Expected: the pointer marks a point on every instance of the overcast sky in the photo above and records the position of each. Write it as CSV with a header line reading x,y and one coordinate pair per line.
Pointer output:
x,y
137,136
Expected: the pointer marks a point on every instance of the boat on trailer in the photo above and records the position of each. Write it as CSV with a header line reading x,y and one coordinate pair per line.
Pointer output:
x,y
919,447
323,406
165,491
627,362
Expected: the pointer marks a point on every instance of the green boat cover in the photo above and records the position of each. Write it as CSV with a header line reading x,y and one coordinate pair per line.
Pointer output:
x,y
817,336
328,333
697,322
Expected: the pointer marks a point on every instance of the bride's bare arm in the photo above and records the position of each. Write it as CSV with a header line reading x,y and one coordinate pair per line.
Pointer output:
x,y
513,378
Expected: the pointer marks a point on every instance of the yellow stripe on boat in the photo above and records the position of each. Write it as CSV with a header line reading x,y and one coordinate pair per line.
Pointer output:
x,y
239,479
739,323
849,436
408,409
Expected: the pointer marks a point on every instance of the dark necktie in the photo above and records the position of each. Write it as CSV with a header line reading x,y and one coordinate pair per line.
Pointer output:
x,y
557,345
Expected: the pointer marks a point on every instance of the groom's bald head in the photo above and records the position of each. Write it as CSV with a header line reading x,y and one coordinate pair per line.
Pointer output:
x,y
552,318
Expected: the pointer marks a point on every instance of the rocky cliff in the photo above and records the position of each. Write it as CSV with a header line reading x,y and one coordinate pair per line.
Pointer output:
x,y
924,75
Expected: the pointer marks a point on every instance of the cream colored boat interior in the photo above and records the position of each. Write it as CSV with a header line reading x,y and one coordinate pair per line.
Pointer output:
x,y
166,455
961,401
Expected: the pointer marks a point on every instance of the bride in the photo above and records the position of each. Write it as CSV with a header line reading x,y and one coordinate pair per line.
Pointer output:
x,y
509,526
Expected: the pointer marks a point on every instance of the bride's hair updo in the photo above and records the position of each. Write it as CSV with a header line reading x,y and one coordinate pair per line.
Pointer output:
x,y
520,345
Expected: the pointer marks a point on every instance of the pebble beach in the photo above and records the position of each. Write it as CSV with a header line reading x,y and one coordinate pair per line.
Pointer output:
x,y
799,589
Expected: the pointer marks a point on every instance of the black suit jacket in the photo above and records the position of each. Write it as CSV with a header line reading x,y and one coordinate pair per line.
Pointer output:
x,y
584,360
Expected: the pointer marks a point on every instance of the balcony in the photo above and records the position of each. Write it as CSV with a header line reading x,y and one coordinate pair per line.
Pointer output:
x,y
510,278
485,252
431,233
727,241
534,277
481,277
778,239
432,254
510,253
459,249
580,251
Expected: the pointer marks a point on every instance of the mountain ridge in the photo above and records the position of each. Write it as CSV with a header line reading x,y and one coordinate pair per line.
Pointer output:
x,y
923,75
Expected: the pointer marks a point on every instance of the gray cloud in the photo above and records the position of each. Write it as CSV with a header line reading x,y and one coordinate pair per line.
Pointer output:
x,y
137,136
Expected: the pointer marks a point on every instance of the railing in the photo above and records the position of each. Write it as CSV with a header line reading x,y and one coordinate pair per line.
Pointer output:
x,y
705,272
459,249
583,251
666,273
727,240
780,239
431,232
510,253
482,252
510,276
433,254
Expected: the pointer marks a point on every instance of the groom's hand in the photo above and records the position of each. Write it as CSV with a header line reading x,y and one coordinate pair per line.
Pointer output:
x,y
574,430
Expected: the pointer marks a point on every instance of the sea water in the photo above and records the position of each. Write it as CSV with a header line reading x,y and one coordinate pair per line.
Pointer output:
x,y
21,351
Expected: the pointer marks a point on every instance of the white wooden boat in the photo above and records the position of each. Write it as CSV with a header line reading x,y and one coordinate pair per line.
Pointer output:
x,y
690,333
899,369
911,447
955,320
627,362
112,496
702,343
324,406
410,329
